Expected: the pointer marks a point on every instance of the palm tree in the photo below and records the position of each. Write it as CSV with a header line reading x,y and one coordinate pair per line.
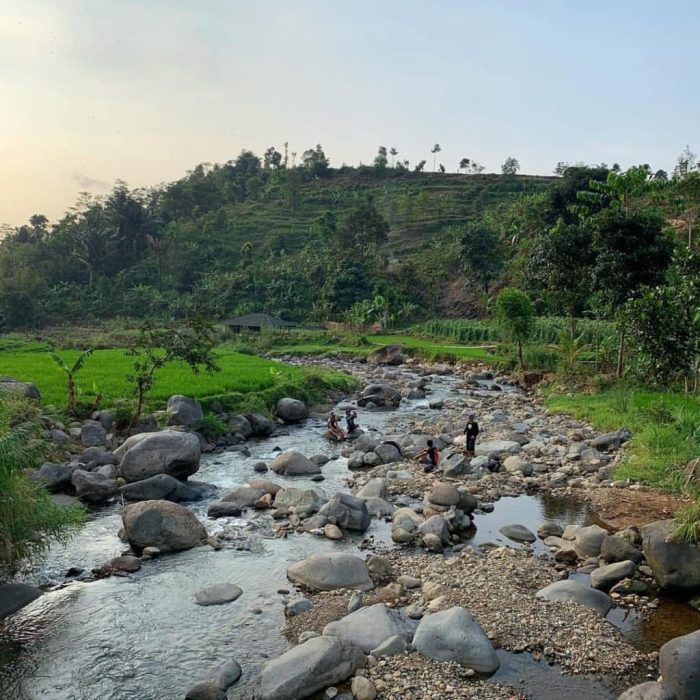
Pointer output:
x,y
393,152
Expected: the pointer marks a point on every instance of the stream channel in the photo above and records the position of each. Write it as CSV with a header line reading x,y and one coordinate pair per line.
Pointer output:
x,y
142,638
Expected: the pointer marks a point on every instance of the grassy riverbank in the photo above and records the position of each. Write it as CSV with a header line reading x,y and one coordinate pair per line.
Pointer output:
x,y
244,381
665,431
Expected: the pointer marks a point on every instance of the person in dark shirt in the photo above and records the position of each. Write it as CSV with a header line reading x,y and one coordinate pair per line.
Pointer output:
x,y
429,457
350,418
471,431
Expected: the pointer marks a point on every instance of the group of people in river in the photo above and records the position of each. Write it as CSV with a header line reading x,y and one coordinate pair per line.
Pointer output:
x,y
428,457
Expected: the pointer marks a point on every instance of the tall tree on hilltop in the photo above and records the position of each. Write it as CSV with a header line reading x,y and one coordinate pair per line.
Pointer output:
x,y
510,166
315,162
393,152
435,150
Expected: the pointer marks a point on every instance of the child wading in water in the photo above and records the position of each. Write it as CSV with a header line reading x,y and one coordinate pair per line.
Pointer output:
x,y
471,431
429,457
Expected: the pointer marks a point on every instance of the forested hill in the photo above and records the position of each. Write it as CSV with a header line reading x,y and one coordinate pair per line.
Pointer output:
x,y
309,242
249,235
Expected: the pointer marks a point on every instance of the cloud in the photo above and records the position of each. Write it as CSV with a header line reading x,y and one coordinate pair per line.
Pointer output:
x,y
90,183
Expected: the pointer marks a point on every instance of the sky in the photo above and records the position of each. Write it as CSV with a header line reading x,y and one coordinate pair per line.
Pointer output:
x,y
92,91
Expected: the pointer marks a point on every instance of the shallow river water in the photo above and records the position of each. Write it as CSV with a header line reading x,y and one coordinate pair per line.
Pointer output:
x,y
142,638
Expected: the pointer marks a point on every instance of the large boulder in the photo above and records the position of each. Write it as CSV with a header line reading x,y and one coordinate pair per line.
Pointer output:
x,y
243,496
495,448
14,596
96,486
514,464
589,541
240,425
316,664
679,663
379,507
96,457
380,394
328,572
374,488
306,500
205,690
605,577
651,690
454,464
388,355
676,565
368,627
577,593
260,425
617,548
454,635
387,452
166,452
292,463
291,410
15,386
348,512
443,494
184,410
54,477
168,526
161,487
93,434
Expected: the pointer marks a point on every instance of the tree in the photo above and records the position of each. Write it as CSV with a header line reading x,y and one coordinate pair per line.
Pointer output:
x,y
71,371
418,168
464,164
393,153
351,283
93,239
631,252
442,168
515,313
192,344
315,161
480,253
685,163
664,323
559,265
510,166
364,231
380,160
435,150
272,159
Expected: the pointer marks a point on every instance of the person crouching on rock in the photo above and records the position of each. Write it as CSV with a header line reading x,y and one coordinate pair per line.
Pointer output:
x,y
471,431
429,457
334,429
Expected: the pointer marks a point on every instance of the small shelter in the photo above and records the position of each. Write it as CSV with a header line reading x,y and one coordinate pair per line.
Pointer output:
x,y
256,322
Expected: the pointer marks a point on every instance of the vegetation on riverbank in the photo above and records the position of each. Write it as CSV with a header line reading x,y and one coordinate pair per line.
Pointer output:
x,y
665,432
28,514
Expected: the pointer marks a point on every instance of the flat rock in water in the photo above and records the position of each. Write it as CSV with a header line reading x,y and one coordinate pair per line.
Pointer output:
x,y
316,664
14,596
292,463
518,533
578,593
454,635
605,577
328,572
218,594
368,627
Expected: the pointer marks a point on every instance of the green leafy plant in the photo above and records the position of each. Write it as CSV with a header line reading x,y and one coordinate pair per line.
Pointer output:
x,y
71,371
569,348
515,314
686,524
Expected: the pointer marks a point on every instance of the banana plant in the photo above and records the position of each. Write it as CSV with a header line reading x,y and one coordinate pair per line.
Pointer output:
x,y
71,371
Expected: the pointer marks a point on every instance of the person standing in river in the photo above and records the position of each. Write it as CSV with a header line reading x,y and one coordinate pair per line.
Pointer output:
x,y
471,431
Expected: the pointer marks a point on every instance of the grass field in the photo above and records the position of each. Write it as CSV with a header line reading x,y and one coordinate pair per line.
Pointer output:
x,y
665,431
425,348
105,373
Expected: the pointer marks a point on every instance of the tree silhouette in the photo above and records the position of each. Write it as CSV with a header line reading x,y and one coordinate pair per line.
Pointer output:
x,y
393,152
435,150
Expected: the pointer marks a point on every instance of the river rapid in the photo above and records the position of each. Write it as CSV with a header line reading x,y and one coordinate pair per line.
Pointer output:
x,y
141,637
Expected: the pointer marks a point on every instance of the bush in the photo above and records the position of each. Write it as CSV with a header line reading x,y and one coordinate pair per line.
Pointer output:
x,y
210,426
515,314
29,518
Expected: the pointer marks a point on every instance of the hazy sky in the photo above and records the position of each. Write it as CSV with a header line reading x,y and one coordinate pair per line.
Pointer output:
x,y
143,90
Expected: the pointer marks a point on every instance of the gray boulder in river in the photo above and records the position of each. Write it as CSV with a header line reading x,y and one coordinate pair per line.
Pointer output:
x,y
369,627
316,664
14,596
328,572
348,512
577,593
676,565
380,394
291,410
292,463
160,487
651,690
167,452
184,410
168,526
679,663
454,635
97,486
